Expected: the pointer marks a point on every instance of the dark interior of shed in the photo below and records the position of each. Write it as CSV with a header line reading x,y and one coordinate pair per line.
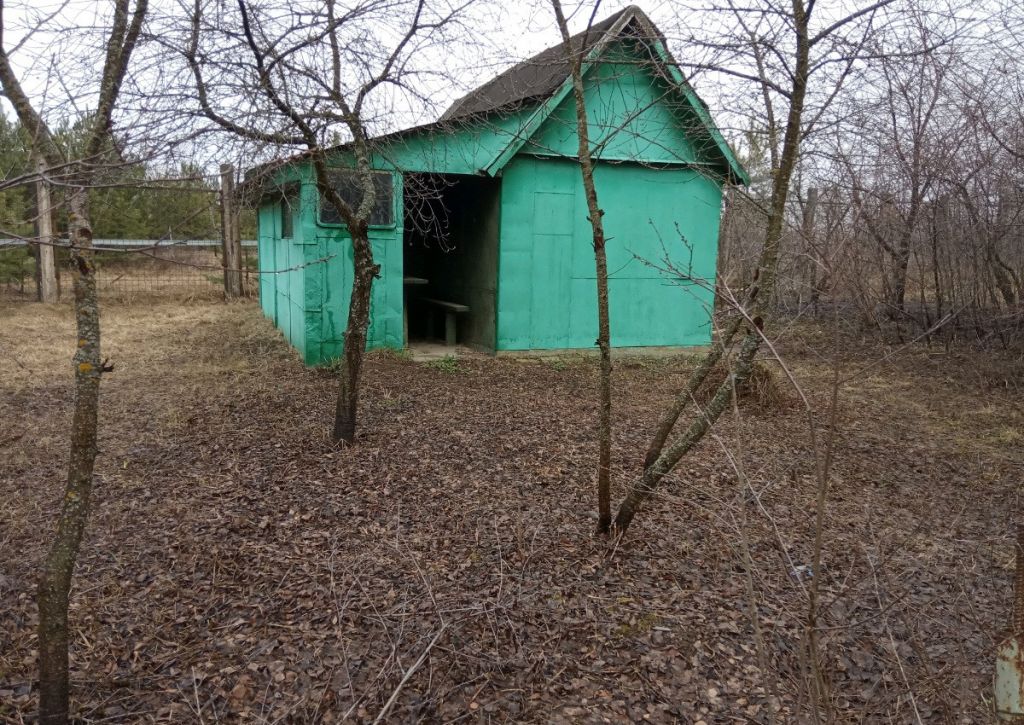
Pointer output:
x,y
450,258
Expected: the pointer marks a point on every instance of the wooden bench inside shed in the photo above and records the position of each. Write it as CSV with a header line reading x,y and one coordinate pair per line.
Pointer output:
x,y
451,311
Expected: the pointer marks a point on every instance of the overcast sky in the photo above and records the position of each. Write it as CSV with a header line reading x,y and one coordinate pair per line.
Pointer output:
x,y
56,66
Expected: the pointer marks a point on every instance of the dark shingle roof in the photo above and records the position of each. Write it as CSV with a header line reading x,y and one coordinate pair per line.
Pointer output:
x,y
535,80
532,80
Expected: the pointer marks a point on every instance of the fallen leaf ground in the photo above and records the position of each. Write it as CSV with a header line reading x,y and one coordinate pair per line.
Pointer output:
x,y
237,568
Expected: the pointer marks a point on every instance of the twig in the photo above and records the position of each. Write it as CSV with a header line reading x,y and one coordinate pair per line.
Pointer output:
x,y
409,673
892,640
195,691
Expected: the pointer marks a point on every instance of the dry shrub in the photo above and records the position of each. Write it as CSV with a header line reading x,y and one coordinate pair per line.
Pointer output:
x,y
759,391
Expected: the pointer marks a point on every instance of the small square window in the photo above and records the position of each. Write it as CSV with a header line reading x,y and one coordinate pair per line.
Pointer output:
x,y
349,187
287,219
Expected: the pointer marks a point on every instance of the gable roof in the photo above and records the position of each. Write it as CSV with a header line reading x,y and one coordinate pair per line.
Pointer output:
x,y
541,83
545,79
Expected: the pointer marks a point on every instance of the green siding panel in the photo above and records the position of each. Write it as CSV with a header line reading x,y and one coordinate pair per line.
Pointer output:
x,y
461,147
282,292
632,114
329,269
653,217
267,283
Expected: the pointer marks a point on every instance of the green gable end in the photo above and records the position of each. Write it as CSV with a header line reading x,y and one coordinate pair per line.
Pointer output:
x,y
633,116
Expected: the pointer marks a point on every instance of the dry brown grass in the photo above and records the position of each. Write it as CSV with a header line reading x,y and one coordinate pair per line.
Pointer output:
x,y
38,340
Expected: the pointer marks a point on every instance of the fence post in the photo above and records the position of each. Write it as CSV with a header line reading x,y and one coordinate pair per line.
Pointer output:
x,y
48,290
231,237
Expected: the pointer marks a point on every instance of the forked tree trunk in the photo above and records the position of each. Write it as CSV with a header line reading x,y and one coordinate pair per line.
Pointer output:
x,y
55,584
698,428
759,295
365,270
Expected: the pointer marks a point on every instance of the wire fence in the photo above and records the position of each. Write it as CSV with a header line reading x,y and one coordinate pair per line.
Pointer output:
x,y
134,269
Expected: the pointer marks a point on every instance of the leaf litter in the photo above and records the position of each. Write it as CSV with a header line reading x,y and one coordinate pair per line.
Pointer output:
x,y
239,568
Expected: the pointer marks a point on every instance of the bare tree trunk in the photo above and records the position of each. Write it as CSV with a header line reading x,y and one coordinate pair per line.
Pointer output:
x,y
697,378
55,584
1001,276
307,104
55,581
898,275
365,270
698,428
594,215
604,500
937,213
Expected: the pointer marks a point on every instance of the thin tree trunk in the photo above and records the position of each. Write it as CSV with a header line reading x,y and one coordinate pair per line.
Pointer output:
x,y
604,500
595,217
701,424
936,273
365,270
697,378
811,245
55,584
898,276
55,580
1003,280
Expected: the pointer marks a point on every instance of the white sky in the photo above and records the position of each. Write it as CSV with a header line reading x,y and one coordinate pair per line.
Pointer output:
x,y
54,66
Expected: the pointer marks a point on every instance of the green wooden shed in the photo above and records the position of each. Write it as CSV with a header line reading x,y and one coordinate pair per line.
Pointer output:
x,y
481,219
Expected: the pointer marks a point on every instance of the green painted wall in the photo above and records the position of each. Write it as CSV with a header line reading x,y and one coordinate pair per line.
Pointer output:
x,y
308,294
460,147
546,281
266,235
328,277
282,286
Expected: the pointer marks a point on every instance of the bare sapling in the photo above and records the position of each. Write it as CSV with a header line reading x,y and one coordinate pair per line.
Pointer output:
x,y
309,87
574,58
740,339
78,174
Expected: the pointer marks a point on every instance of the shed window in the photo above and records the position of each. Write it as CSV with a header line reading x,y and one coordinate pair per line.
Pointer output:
x,y
287,207
348,185
286,217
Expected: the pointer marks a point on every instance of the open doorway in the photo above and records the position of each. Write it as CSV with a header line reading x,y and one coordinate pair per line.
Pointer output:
x,y
450,259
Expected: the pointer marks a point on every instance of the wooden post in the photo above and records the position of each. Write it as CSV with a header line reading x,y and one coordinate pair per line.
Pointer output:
x,y
1009,679
48,291
231,235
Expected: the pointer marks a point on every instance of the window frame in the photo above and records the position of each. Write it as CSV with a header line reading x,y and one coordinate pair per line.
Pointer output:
x,y
377,174
287,212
